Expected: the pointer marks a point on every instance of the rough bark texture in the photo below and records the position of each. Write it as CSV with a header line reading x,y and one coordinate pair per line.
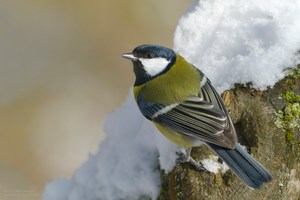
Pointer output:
x,y
254,115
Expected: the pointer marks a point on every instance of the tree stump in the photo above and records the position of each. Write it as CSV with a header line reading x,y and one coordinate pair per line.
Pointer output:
x,y
262,123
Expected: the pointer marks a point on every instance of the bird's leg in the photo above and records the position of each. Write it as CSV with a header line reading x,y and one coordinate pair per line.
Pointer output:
x,y
185,156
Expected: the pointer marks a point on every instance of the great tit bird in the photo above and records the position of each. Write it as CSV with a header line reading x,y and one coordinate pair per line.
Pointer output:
x,y
184,106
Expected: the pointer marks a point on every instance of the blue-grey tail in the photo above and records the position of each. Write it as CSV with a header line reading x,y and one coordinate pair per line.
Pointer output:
x,y
250,171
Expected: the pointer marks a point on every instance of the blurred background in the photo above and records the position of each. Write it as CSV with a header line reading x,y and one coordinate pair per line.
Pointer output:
x,y
61,71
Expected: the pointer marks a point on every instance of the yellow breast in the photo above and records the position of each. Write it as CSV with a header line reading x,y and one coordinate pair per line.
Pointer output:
x,y
177,138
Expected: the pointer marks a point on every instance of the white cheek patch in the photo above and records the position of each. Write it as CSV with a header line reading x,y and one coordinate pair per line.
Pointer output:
x,y
154,66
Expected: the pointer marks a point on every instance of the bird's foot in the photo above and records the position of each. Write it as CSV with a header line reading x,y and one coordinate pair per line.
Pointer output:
x,y
185,156
196,165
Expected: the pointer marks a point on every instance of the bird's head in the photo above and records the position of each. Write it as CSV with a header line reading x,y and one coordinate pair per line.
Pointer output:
x,y
150,61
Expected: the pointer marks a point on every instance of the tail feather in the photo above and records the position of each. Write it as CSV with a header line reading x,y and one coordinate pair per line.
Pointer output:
x,y
250,171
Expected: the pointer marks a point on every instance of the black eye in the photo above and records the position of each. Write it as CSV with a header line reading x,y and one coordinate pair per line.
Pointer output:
x,y
150,55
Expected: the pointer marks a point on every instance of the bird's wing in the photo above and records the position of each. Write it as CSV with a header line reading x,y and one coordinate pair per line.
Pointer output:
x,y
195,117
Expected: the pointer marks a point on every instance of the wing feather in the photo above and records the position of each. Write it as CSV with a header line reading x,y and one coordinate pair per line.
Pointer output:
x,y
202,117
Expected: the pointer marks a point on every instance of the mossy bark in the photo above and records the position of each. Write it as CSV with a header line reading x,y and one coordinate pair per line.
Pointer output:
x,y
254,115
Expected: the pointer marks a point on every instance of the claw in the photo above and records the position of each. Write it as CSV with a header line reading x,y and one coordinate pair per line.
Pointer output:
x,y
197,165
184,156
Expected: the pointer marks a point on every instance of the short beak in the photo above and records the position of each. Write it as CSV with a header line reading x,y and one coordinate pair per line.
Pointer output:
x,y
129,56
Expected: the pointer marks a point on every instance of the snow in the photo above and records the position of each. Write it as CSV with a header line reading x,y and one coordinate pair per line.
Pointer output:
x,y
231,42
240,41
127,164
212,165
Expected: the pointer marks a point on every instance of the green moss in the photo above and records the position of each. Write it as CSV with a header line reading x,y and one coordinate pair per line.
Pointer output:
x,y
288,119
295,72
291,97
179,195
164,186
